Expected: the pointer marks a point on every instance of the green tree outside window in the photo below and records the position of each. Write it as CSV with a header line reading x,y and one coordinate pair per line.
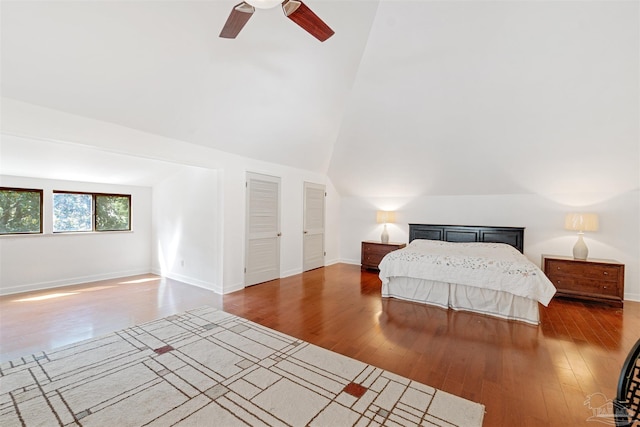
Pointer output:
x,y
112,213
20,211
91,212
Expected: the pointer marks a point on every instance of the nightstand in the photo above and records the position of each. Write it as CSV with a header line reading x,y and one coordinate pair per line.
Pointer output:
x,y
373,252
600,280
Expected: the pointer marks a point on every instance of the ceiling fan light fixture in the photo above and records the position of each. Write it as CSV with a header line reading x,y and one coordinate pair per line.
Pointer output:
x,y
295,10
264,4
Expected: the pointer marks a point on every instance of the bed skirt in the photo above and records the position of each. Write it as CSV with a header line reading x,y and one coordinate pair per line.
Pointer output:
x,y
460,297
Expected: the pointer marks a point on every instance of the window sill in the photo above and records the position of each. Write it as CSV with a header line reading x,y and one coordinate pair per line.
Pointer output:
x,y
69,233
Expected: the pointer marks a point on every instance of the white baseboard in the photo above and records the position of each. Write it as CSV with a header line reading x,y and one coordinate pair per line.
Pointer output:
x,y
233,288
190,281
217,288
41,286
289,273
631,297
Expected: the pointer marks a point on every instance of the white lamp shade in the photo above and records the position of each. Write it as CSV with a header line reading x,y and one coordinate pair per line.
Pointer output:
x,y
581,222
264,4
385,217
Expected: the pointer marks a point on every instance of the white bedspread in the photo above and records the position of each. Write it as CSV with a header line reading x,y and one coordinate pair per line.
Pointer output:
x,y
494,266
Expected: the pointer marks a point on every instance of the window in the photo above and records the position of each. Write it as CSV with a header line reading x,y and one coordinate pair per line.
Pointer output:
x,y
72,212
91,212
113,212
20,211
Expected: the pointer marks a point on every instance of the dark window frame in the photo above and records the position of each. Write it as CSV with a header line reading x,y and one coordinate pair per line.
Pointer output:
x,y
95,211
27,190
93,195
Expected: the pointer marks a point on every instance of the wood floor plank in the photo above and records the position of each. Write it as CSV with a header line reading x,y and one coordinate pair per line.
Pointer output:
x,y
524,375
557,408
493,398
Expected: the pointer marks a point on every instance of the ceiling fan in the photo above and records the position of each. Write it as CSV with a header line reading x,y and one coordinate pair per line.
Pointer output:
x,y
295,10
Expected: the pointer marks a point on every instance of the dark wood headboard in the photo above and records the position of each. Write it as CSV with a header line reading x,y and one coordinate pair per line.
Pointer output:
x,y
513,236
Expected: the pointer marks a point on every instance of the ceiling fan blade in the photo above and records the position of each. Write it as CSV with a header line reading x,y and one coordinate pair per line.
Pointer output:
x,y
239,16
299,13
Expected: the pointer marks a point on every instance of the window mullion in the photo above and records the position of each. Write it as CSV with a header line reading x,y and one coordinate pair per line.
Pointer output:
x,y
93,212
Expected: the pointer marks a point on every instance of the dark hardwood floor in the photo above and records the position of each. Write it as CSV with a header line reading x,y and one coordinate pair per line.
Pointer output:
x,y
524,375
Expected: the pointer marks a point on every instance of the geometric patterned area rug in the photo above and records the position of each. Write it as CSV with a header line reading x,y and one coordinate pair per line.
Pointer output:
x,y
206,367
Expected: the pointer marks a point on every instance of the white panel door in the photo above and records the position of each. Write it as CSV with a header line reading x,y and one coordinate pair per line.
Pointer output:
x,y
262,258
313,232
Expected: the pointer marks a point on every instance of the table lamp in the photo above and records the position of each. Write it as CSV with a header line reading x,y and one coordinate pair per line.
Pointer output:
x,y
581,222
385,217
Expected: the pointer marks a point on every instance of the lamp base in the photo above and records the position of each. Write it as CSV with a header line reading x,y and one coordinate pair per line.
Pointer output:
x,y
384,238
580,250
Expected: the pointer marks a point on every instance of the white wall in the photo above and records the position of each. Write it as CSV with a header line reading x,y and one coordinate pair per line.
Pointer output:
x,y
50,260
494,97
506,113
292,186
333,227
185,228
543,216
25,121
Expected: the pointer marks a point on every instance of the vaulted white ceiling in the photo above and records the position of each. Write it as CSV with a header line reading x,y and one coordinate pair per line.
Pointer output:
x,y
275,93
409,97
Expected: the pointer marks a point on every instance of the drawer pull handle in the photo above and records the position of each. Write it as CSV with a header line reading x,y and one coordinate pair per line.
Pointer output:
x,y
606,273
558,268
604,287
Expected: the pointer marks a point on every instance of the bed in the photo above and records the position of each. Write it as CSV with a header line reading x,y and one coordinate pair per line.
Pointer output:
x,y
472,268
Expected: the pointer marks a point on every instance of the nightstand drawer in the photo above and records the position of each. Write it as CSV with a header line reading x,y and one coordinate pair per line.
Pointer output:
x,y
587,286
372,258
592,271
594,280
376,250
373,252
